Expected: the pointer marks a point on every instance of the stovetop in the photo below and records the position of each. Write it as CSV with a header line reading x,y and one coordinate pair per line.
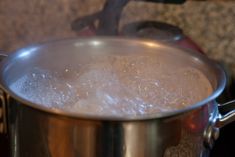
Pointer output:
x,y
224,146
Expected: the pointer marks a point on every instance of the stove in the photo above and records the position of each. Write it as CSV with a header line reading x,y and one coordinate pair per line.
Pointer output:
x,y
223,146
168,33
155,30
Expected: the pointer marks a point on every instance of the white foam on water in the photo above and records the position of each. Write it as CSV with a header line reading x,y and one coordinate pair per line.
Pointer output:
x,y
116,86
41,87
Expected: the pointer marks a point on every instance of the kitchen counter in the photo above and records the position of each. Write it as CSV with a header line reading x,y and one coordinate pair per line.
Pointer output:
x,y
211,24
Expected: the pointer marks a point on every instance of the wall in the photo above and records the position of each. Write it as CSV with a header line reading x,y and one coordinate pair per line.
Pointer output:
x,y
211,24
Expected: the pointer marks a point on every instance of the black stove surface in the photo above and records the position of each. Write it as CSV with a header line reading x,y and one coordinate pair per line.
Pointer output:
x,y
224,146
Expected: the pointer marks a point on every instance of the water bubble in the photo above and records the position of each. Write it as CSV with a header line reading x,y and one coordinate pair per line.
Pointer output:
x,y
116,86
34,75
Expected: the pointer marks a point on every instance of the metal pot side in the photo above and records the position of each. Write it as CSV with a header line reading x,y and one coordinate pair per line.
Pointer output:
x,y
41,132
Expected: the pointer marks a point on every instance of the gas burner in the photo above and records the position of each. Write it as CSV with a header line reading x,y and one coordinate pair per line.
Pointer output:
x,y
153,30
108,18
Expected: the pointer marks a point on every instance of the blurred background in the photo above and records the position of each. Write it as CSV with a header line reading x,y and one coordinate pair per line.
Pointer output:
x,y
210,24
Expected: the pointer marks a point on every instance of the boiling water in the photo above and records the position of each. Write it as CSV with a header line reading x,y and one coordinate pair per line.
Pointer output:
x,y
115,86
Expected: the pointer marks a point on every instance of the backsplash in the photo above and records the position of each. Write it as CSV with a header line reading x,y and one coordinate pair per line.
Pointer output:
x,y
211,24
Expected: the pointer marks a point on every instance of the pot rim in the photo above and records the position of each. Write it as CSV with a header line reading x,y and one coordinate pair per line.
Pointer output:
x,y
221,82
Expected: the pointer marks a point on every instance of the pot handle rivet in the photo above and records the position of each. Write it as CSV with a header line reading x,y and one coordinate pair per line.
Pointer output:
x,y
215,133
1,113
211,135
3,128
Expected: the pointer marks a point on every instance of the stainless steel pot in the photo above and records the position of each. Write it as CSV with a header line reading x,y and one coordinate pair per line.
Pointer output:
x,y
38,131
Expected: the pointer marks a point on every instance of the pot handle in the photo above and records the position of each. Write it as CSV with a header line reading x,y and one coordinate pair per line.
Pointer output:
x,y
218,120
3,127
229,115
